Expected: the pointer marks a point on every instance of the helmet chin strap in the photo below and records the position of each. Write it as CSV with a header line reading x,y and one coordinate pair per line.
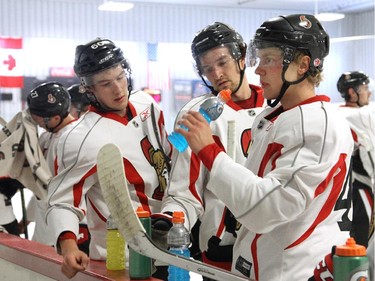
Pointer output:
x,y
242,74
46,120
285,86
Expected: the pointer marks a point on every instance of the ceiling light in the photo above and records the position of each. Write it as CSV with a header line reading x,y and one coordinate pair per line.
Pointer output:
x,y
113,6
329,16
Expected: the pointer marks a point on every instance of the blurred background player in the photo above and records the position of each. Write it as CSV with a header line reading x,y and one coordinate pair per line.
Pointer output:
x,y
354,89
79,101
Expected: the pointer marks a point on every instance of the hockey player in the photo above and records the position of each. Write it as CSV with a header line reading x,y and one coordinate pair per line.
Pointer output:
x,y
219,53
135,124
80,101
290,195
354,88
49,105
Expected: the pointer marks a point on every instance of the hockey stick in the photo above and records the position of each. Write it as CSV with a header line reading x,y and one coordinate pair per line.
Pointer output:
x,y
231,135
116,195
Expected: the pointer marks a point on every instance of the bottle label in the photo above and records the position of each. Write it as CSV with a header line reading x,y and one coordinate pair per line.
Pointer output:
x,y
361,275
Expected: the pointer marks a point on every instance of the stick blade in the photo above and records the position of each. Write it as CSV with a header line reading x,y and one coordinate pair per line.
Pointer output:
x,y
111,174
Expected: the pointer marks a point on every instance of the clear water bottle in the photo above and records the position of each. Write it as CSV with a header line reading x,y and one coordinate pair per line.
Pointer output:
x,y
115,247
211,109
178,242
350,262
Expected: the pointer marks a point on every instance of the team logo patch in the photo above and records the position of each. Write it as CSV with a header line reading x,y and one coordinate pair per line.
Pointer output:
x,y
243,266
51,98
317,62
145,114
304,22
157,161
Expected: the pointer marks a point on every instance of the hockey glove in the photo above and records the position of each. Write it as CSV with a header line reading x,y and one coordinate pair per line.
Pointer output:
x,y
160,224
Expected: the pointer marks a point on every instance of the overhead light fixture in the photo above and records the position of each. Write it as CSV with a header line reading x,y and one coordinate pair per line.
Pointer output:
x,y
113,6
330,16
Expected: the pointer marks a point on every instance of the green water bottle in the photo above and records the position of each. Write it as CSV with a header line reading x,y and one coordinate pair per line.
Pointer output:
x,y
140,266
350,262
115,247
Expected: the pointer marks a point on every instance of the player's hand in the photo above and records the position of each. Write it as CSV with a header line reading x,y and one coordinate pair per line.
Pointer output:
x,y
74,260
324,270
199,132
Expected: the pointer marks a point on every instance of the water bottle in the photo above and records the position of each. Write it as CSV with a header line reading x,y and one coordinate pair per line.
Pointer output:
x,y
115,247
178,242
350,262
211,109
140,266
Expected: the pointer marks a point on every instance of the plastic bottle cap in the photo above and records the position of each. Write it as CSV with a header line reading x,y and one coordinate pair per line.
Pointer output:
x,y
141,213
225,95
178,217
351,249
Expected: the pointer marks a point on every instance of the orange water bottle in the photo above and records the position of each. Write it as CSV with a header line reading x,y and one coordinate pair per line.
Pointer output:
x,y
350,262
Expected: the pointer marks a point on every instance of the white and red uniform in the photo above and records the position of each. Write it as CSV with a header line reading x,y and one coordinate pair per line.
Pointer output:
x,y
77,182
188,182
362,124
36,207
291,195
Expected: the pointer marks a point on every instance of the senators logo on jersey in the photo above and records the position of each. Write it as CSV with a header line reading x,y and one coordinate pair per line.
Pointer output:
x,y
156,159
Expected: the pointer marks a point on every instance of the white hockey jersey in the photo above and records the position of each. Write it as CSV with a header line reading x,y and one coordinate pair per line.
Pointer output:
x,y
187,188
293,202
362,123
36,207
76,181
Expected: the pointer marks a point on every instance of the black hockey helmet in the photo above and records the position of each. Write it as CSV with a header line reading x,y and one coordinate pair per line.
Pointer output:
x,y
96,56
215,35
49,99
351,79
294,32
77,97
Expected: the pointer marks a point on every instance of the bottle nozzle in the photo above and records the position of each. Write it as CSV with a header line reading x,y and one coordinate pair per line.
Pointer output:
x,y
225,95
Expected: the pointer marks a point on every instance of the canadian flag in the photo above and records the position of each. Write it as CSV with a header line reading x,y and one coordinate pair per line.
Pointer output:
x,y
11,70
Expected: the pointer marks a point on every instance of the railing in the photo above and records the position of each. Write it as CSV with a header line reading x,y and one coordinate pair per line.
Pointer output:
x,y
22,259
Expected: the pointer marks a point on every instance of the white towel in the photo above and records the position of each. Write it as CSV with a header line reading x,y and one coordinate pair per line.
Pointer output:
x,y
21,157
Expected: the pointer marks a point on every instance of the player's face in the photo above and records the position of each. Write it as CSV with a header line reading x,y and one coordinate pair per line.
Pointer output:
x,y
269,69
50,122
110,88
364,95
221,69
